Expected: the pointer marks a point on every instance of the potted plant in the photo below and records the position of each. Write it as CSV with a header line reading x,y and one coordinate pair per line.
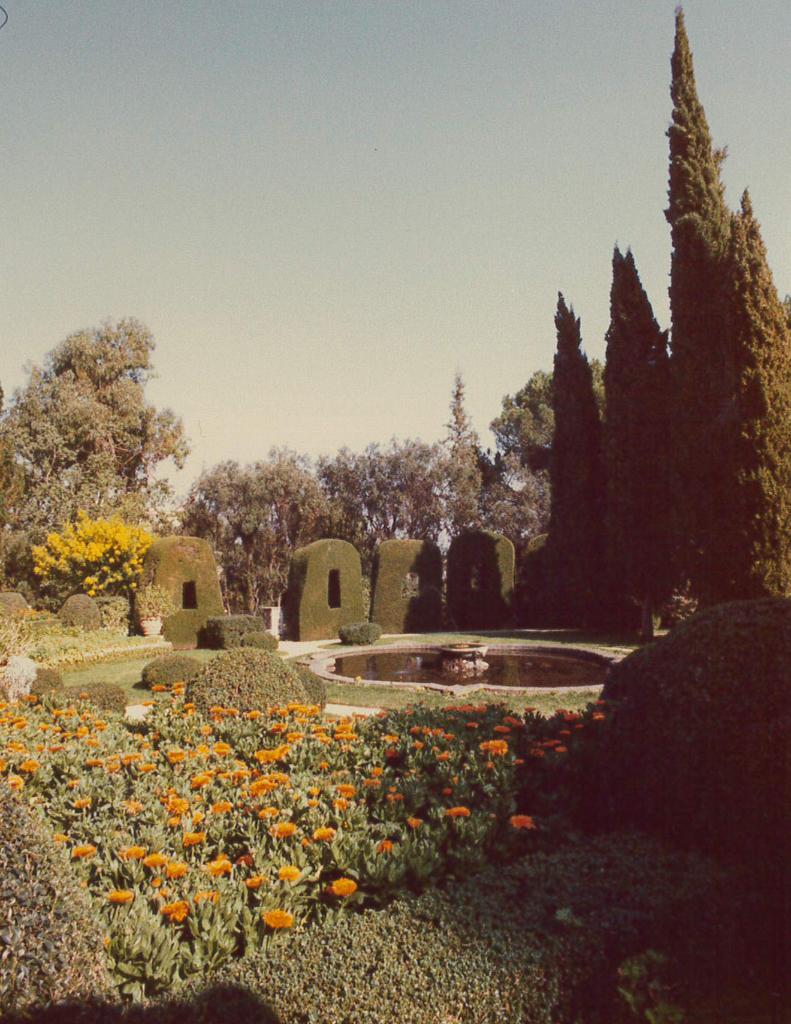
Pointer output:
x,y
153,604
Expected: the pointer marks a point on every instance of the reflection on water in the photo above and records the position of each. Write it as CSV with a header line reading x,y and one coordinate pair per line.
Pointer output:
x,y
545,670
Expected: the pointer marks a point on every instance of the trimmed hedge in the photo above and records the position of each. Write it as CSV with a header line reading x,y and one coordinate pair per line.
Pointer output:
x,y
172,562
170,669
315,685
114,613
407,586
227,631
262,640
360,633
80,611
50,937
698,748
246,679
306,607
11,601
104,696
480,580
47,680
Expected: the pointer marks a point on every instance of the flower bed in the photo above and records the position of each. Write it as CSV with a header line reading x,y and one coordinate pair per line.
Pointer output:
x,y
203,839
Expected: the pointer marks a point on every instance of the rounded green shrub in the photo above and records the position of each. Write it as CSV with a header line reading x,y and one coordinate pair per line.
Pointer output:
x,y
51,938
223,632
315,686
360,633
324,590
246,679
170,669
698,746
11,602
47,680
114,613
407,586
104,696
261,639
80,611
480,580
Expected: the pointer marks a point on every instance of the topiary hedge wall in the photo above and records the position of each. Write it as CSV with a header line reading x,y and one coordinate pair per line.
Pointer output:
x,y
185,568
407,586
323,574
480,580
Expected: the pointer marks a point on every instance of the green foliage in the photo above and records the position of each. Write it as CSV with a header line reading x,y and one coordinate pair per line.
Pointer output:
x,y
533,595
11,602
314,685
52,942
246,679
699,746
227,631
104,696
360,633
80,611
635,443
306,607
576,528
170,563
480,580
51,643
262,639
114,612
464,477
170,669
407,586
154,602
47,680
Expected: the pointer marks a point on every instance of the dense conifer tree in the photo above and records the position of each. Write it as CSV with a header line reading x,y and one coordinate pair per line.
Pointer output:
x,y
760,466
464,473
635,446
576,537
701,360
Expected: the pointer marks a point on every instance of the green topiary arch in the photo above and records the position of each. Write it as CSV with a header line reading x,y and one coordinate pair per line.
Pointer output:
x,y
407,586
480,580
324,590
185,568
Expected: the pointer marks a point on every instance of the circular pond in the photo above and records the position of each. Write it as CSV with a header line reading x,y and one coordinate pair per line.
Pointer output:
x,y
501,667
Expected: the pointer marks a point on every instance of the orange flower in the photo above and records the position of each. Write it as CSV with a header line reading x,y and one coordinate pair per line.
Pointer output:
x,y
521,821
255,882
414,822
346,790
283,830
177,805
83,852
222,749
289,873
206,895
496,748
29,766
324,835
193,838
268,812
199,781
220,866
176,911
457,812
133,806
59,837
386,846
132,853
120,896
82,803
343,887
176,757
155,860
222,807
278,919
176,869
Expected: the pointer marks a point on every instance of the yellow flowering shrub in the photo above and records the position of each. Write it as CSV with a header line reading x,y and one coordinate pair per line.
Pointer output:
x,y
96,556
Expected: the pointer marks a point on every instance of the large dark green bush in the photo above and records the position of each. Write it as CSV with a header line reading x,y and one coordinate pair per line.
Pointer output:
x,y
480,580
246,679
314,685
227,631
324,590
104,696
50,939
360,633
81,611
261,639
47,680
533,594
170,669
10,601
698,748
407,586
186,569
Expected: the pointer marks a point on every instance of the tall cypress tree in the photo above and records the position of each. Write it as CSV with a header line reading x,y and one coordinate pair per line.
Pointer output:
x,y
759,474
701,360
576,538
464,473
635,446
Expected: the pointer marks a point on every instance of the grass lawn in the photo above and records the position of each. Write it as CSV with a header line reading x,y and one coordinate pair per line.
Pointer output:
x,y
126,674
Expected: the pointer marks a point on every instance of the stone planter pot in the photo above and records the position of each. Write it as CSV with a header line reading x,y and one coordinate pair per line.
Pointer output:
x,y
151,627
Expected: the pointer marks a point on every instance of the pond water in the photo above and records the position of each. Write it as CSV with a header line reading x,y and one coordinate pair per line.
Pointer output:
x,y
548,671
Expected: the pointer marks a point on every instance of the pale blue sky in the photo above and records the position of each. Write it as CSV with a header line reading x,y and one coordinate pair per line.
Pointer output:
x,y
322,210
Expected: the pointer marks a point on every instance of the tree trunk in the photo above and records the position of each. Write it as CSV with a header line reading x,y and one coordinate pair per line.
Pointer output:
x,y
647,627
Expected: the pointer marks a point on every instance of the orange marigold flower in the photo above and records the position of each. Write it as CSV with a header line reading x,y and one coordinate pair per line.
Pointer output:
x,y
283,830
325,834
221,865
30,766
133,806
222,807
120,896
198,817
414,822
496,748
278,919
132,853
343,887
206,895
176,757
268,812
59,837
521,821
193,838
176,869
223,749
176,911
255,882
289,873
15,782
346,790
82,803
155,860
83,852
199,781
457,812
386,846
